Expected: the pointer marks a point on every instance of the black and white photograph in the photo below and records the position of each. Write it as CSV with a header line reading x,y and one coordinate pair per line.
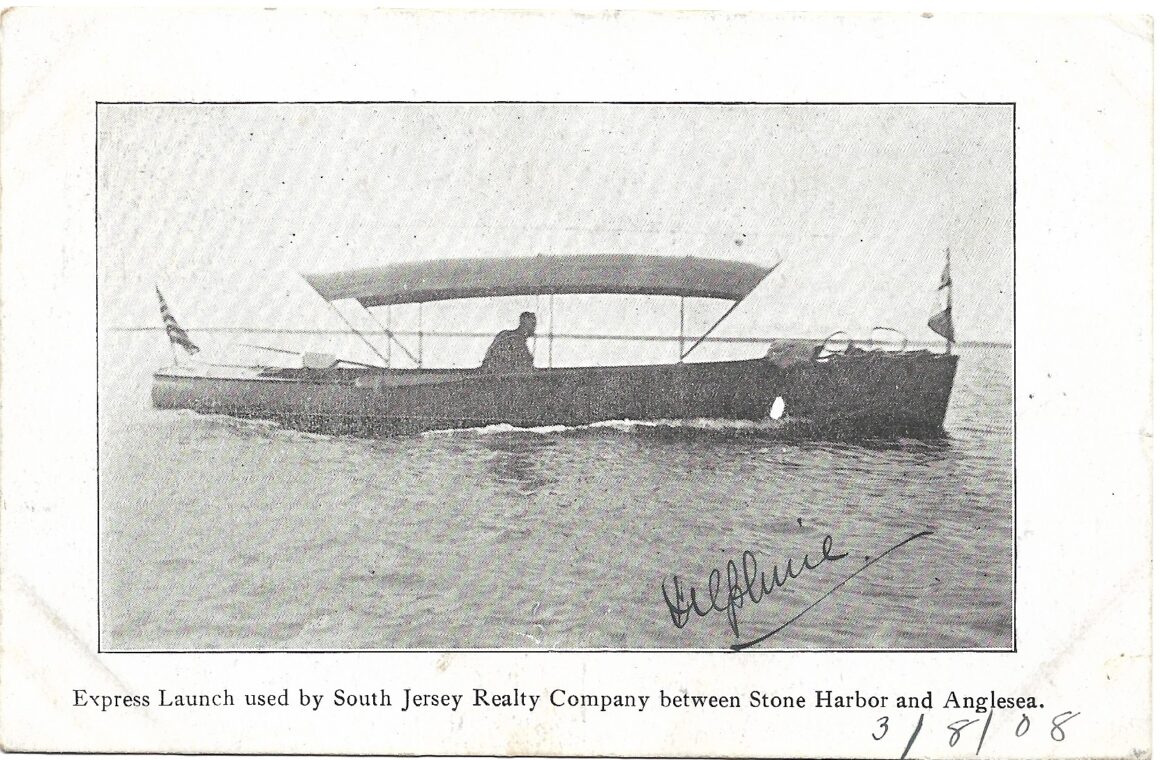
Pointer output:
x,y
576,383
555,376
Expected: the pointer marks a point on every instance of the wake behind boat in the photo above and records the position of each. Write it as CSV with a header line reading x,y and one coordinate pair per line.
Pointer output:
x,y
852,392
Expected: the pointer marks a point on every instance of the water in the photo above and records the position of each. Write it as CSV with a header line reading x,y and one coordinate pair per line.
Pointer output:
x,y
226,534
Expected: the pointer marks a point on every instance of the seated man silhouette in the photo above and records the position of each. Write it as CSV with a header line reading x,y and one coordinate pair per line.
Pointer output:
x,y
509,351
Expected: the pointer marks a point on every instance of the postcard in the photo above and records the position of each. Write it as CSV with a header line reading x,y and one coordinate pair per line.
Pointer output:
x,y
576,384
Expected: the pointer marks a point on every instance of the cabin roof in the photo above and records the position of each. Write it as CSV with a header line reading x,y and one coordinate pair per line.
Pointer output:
x,y
449,279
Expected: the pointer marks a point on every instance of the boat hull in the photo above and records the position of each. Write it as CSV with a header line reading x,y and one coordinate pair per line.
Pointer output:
x,y
872,395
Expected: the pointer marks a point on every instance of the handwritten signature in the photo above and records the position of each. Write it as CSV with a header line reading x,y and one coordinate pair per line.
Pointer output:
x,y
746,582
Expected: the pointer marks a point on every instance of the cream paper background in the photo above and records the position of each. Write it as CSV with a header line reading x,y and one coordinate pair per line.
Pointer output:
x,y
1082,85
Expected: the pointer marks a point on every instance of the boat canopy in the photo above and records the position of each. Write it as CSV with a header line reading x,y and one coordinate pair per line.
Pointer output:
x,y
450,279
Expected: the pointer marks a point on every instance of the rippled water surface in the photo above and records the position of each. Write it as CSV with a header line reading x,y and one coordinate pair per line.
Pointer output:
x,y
225,534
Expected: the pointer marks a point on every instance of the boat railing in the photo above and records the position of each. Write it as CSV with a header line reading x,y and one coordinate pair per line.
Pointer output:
x,y
872,343
880,341
672,338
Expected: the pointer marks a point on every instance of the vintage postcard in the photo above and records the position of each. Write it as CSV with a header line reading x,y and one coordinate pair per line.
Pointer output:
x,y
670,404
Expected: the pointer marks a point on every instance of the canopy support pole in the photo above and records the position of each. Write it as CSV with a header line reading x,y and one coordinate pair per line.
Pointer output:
x,y
681,346
387,331
711,329
420,359
551,325
355,330
728,312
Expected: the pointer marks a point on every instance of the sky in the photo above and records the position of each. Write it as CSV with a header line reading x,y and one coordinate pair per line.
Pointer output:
x,y
222,206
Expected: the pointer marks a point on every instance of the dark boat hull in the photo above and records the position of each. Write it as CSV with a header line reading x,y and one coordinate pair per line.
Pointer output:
x,y
871,394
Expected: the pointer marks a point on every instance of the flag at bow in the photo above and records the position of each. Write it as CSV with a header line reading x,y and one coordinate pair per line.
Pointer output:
x,y
175,332
942,323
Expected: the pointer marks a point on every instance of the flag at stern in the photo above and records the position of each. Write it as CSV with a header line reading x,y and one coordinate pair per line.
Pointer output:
x,y
176,334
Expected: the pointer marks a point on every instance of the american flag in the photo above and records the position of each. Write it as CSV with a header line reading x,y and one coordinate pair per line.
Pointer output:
x,y
176,334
